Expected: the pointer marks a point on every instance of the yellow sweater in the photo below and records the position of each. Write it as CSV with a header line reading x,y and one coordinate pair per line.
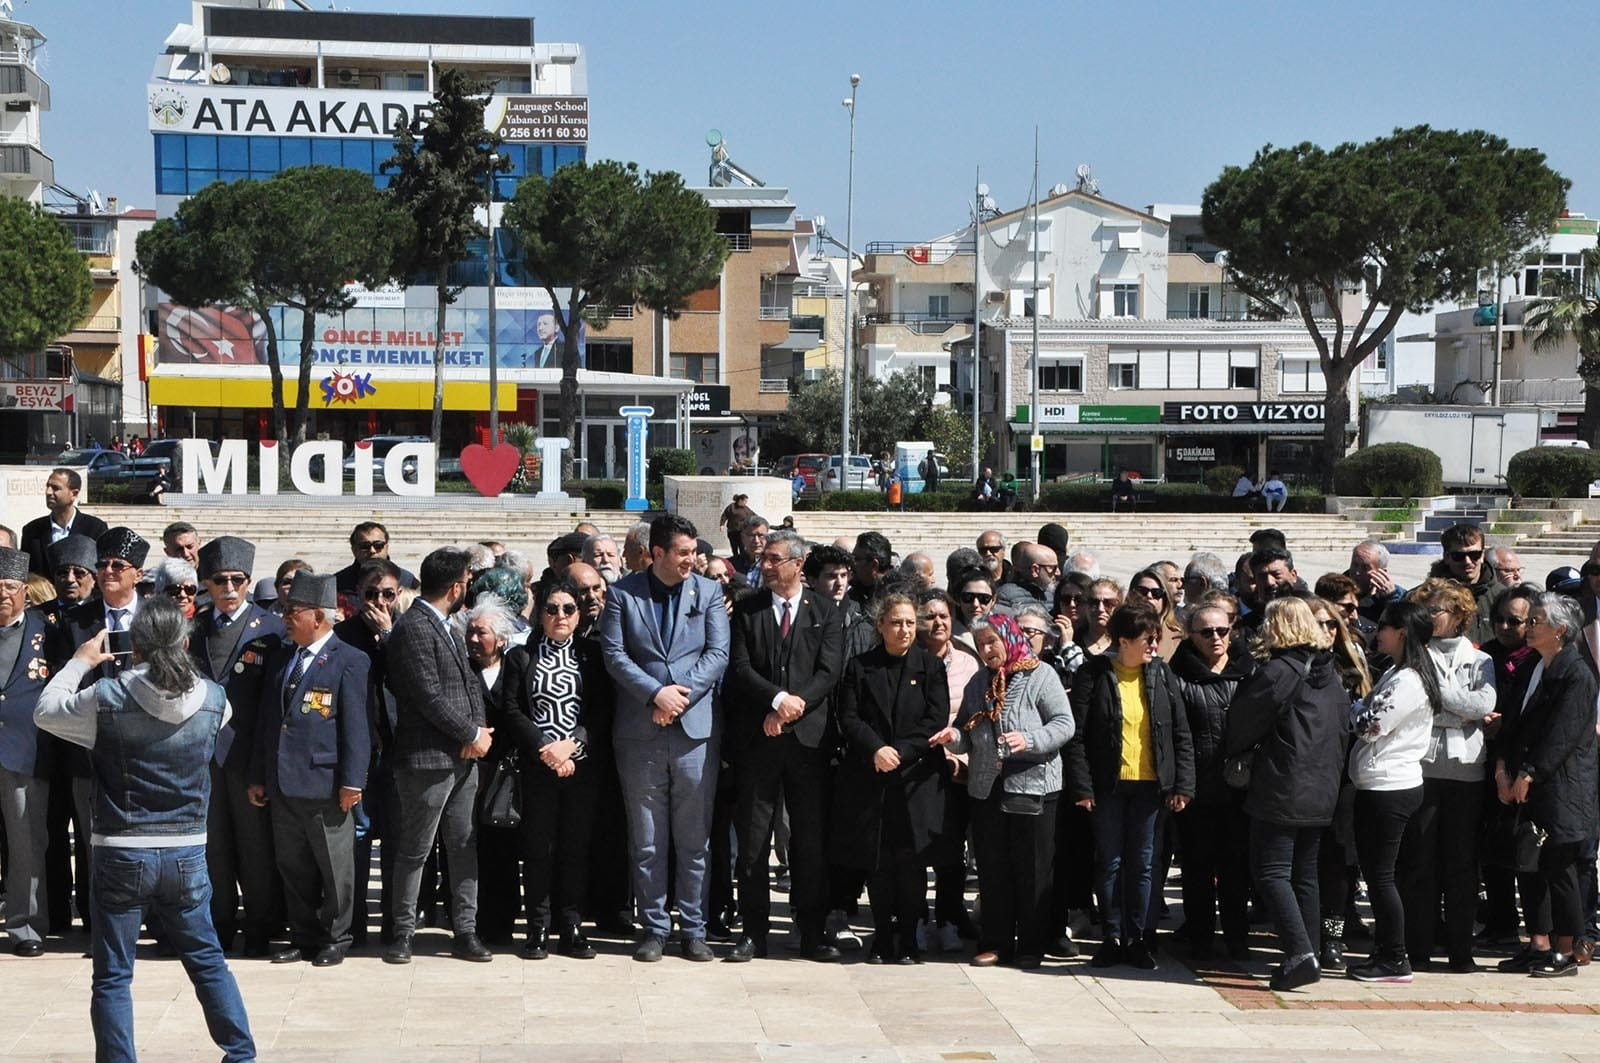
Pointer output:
x,y
1138,755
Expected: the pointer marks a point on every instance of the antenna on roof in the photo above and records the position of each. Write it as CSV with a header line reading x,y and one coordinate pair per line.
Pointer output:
x,y
724,171
1086,180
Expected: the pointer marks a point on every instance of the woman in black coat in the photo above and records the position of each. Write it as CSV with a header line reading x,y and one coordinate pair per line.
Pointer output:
x,y
558,718
1131,754
889,797
1546,761
488,630
1293,712
1213,829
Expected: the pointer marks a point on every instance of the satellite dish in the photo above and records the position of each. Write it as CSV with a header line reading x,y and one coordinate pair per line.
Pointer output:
x,y
1082,171
713,138
1221,259
1059,190
822,223
220,74
983,191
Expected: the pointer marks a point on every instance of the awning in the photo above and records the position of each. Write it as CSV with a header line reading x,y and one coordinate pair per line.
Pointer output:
x,y
1253,429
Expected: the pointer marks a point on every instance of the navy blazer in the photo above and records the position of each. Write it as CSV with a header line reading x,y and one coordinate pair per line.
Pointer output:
x,y
316,739
242,676
640,665
24,748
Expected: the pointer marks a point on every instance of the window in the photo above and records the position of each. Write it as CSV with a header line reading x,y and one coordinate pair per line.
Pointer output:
x,y
1124,375
1242,376
1061,376
1128,240
701,368
609,356
1200,302
938,307
1124,300
1546,274
929,376
1301,373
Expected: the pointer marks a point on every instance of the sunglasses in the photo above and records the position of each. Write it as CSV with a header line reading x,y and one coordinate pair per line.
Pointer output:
x,y
182,590
1032,632
1329,625
1509,621
1212,632
73,573
975,598
111,565
223,579
1106,603
372,544
560,609
372,594
1151,592
1348,608
1465,555
990,549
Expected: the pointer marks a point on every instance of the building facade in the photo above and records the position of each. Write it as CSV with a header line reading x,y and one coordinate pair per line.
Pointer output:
x,y
25,170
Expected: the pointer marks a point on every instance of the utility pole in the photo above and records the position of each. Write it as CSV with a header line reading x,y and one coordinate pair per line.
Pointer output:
x,y
1033,406
849,284
977,320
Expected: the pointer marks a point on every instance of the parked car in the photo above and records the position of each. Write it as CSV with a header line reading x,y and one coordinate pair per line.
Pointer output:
x,y
161,455
858,478
381,445
104,466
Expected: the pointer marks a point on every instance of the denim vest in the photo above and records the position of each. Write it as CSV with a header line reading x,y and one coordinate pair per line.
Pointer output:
x,y
152,777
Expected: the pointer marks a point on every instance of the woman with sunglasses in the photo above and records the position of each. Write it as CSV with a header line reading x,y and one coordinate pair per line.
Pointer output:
x,y
1150,586
1393,729
1103,599
1290,718
974,595
1012,725
1546,763
1213,829
559,718
1131,757
1441,844
177,579
1506,873
1067,609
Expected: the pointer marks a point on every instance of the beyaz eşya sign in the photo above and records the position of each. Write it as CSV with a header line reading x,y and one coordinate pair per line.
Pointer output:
x,y
234,111
227,471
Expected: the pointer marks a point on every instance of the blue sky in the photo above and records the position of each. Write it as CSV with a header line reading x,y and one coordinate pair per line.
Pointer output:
x,y
1157,97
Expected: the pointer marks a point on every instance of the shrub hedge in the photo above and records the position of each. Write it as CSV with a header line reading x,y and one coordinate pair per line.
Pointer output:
x,y
1553,472
1390,470
1221,478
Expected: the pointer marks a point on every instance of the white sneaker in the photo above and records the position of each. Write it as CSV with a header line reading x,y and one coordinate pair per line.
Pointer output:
x,y
949,938
844,938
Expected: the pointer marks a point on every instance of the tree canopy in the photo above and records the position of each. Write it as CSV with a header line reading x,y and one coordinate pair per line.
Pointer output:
x,y
297,240
611,237
44,280
887,411
1402,222
439,169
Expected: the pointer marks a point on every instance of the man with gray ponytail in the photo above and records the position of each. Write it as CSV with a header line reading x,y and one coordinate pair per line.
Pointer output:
x,y
150,732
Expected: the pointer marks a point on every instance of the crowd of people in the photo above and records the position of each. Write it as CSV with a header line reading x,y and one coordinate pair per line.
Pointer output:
x,y
641,734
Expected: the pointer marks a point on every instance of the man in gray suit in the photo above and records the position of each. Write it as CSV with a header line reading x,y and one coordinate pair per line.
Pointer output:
x,y
439,732
665,638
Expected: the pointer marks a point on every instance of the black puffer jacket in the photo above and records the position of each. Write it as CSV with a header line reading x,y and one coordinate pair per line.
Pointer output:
x,y
1094,756
1302,729
1206,695
1553,740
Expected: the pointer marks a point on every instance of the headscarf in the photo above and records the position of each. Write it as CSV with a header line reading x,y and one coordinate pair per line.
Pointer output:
x,y
1019,658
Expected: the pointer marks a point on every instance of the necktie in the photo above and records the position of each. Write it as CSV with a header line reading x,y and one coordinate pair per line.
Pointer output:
x,y
119,620
669,620
295,675
783,625
223,620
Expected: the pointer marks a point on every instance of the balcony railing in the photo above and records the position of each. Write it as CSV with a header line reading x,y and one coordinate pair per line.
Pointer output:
x,y
1183,313
100,323
775,385
1567,390
805,323
937,249
737,241
819,291
775,313
923,324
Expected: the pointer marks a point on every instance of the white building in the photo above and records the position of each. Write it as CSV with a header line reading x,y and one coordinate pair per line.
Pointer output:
x,y
25,170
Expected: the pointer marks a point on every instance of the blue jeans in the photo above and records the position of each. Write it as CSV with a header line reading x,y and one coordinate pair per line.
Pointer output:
x,y
173,888
1124,822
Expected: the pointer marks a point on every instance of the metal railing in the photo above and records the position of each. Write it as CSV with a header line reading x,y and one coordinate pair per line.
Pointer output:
x,y
100,323
775,313
805,323
914,316
775,385
737,241
1183,313
937,249
819,291
93,245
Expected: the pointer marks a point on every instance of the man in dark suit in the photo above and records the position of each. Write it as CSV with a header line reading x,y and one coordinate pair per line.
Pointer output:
x,y
309,766
439,732
232,642
72,566
786,650
369,540
664,634
27,652
61,498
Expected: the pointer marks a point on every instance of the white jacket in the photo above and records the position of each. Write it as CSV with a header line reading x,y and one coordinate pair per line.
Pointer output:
x,y
1466,691
1387,755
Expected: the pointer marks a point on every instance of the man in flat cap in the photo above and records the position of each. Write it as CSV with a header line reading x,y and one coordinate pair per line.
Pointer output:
x,y
232,641
309,768
27,652
61,492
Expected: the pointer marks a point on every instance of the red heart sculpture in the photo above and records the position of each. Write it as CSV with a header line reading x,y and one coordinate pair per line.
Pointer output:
x,y
490,470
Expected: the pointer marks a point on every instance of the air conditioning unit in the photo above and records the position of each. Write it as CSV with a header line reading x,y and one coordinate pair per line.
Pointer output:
x,y
348,77
995,298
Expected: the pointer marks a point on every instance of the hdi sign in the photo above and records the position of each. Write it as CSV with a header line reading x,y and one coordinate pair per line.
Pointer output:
x,y
227,472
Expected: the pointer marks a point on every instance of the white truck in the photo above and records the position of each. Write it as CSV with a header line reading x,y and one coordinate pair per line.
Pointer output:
x,y
1474,443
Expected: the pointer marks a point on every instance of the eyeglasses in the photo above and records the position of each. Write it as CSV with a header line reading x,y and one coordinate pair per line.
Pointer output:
x,y
10,587
182,590
370,544
73,573
560,609
1106,603
1032,632
111,564
1348,608
993,548
1050,570
775,559
1534,622
1151,592
1510,621
229,579
1212,632
976,598
1465,555
372,594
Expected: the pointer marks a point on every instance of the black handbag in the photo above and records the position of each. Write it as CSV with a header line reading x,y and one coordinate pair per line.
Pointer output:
x,y
501,801
1510,839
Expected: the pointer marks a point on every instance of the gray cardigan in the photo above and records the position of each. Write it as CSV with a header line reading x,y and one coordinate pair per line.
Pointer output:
x,y
1036,705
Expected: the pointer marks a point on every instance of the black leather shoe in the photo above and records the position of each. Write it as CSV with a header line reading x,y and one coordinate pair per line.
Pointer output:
x,y
1109,954
468,947
696,950
1526,959
400,950
1559,965
537,946
650,949
328,956
746,950
574,945
292,954
28,948
821,952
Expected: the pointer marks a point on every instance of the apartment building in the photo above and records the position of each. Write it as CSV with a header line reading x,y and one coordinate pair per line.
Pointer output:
x,y
25,170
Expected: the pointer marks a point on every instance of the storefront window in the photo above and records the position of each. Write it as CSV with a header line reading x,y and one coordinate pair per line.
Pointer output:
x,y
1189,456
1296,460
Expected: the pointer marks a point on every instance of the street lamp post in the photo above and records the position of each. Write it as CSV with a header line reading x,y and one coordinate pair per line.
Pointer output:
x,y
494,368
980,210
849,284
